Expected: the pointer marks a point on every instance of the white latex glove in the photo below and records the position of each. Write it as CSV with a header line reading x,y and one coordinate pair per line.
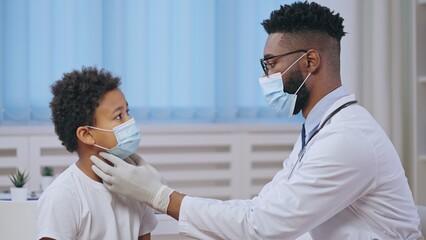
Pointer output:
x,y
141,182
137,160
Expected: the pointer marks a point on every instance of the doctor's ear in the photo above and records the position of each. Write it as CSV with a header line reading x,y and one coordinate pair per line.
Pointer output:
x,y
313,60
84,135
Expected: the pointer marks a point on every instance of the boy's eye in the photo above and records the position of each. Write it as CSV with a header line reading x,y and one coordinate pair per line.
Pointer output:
x,y
120,116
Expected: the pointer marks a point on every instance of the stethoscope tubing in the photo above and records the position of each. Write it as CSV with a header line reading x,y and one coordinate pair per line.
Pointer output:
x,y
303,150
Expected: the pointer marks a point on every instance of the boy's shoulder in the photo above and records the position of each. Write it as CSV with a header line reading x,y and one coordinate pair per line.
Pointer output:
x,y
63,183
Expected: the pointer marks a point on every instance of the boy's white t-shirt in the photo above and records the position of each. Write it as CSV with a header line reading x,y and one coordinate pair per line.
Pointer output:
x,y
75,206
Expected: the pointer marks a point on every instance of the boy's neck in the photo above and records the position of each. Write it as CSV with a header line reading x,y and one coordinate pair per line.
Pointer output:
x,y
85,165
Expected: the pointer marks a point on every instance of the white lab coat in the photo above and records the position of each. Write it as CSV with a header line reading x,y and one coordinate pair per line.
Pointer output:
x,y
350,184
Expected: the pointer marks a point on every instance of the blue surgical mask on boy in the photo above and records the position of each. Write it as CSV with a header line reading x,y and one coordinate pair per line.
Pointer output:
x,y
128,139
273,91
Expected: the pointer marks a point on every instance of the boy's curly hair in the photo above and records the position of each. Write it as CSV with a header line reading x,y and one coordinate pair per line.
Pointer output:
x,y
303,17
75,99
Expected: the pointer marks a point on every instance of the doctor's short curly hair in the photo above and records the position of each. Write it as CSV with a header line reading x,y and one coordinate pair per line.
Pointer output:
x,y
302,17
309,25
75,99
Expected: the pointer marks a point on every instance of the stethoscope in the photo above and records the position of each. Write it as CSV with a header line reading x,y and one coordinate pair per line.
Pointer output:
x,y
302,152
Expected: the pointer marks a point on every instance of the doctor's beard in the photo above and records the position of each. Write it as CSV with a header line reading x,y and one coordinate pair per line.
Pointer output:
x,y
294,80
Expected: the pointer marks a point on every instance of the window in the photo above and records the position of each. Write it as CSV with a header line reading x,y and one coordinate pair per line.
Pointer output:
x,y
185,60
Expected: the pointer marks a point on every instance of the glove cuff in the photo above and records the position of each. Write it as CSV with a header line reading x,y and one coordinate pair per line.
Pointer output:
x,y
162,199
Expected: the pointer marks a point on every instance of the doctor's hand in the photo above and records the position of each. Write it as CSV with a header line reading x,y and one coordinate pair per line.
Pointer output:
x,y
141,182
137,160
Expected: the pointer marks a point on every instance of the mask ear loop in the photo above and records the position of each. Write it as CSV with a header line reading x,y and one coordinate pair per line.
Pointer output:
x,y
309,74
294,63
100,129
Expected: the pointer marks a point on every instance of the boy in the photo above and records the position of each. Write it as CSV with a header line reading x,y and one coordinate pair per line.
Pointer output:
x,y
90,115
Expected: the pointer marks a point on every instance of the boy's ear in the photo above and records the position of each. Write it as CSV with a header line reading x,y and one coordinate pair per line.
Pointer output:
x,y
83,134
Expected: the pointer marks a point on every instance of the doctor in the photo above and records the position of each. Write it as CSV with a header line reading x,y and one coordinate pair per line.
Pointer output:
x,y
343,178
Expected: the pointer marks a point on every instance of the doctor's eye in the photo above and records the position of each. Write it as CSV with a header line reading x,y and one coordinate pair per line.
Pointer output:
x,y
270,65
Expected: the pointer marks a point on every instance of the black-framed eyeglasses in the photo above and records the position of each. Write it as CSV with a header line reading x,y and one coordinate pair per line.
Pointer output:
x,y
265,64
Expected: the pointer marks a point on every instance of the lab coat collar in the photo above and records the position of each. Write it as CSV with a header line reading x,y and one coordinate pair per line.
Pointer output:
x,y
337,104
318,111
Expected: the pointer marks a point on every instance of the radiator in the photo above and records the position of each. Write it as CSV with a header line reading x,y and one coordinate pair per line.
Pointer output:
x,y
222,161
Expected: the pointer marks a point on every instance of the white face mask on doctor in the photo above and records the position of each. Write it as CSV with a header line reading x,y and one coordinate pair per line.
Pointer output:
x,y
273,90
